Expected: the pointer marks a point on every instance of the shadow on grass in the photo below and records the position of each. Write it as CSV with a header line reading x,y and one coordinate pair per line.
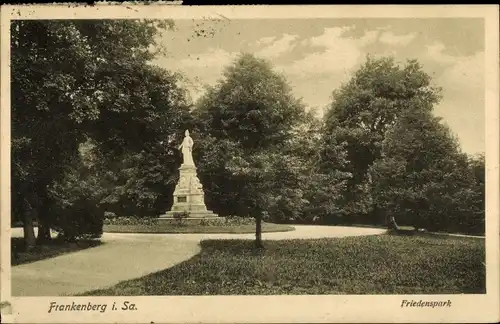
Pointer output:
x,y
49,250
381,264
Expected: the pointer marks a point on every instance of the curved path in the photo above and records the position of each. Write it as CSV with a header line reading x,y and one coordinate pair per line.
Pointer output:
x,y
129,256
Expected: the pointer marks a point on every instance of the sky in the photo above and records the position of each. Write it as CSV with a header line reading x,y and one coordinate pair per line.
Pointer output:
x,y
318,55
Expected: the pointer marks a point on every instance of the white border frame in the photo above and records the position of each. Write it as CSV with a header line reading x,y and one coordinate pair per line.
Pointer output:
x,y
269,309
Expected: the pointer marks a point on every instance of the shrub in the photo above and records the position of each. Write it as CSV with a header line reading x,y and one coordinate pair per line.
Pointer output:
x,y
236,220
83,219
130,220
180,216
228,221
108,214
213,222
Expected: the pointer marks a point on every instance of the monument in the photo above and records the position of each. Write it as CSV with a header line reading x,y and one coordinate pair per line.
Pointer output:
x,y
188,194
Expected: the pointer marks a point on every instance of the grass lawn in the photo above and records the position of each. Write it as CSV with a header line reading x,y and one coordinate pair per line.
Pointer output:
x,y
49,250
174,228
383,264
404,228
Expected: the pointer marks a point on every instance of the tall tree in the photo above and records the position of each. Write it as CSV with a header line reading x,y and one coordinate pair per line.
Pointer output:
x,y
364,109
246,122
476,219
251,105
422,178
250,110
73,78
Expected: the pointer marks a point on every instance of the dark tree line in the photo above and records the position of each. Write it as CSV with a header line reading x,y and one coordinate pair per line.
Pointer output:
x,y
95,128
84,82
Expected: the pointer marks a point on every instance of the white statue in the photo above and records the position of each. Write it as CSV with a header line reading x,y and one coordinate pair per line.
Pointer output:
x,y
187,149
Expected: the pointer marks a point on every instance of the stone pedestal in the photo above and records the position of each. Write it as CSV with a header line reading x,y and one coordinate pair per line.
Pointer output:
x,y
189,196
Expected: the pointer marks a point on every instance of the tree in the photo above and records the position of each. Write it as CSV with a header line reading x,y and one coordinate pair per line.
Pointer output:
x,y
250,110
422,178
141,164
77,78
75,210
364,109
256,195
328,180
476,221
246,124
251,105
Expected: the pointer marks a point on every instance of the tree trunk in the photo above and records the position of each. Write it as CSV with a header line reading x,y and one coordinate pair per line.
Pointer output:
x,y
43,215
258,230
43,231
29,231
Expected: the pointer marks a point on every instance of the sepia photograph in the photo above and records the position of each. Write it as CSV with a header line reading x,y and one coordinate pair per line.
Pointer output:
x,y
148,158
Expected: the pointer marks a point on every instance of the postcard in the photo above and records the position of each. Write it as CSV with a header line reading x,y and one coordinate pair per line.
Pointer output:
x,y
249,164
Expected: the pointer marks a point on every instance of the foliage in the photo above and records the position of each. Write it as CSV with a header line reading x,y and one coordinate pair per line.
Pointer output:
x,y
204,226
231,221
363,110
242,121
476,220
180,216
66,76
252,105
355,265
75,79
257,146
95,130
153,221
422,178
122,220
75,211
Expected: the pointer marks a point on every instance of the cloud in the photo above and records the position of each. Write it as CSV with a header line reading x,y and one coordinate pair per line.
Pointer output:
x,y
339,55
315,65
369,37
388,37
278,47
214,57
205,69
200,69
466,74
463,101
265,40
461,74
328,61
436,52
329,35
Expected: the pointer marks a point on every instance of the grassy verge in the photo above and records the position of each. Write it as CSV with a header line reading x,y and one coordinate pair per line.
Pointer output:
x,y
49,250
173,228
404,228
385,264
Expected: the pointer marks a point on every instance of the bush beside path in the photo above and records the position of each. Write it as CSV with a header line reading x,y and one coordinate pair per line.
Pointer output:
x,y
234,225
